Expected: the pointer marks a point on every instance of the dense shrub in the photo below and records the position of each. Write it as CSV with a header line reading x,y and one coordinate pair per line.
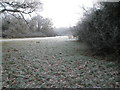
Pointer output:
x,y
100,28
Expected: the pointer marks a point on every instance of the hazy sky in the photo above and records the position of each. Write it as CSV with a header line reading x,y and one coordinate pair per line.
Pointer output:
x,y
64,13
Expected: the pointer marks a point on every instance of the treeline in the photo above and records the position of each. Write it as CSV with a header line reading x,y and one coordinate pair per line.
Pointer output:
x,y
63,31
100,28
18,27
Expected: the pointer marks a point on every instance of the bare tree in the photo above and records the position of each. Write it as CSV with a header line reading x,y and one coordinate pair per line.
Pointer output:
x,y
19,7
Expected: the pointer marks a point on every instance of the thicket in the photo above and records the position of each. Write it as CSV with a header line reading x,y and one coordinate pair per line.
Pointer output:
x,y
100,28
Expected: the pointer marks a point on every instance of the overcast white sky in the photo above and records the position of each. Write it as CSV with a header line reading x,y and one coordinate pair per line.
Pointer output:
x,y
64,13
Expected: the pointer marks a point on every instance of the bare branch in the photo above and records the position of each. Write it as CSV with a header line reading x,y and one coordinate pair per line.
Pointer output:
x,y
23,18
19,7
84,9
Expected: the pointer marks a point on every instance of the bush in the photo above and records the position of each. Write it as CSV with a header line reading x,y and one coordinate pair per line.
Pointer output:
x,y
100,28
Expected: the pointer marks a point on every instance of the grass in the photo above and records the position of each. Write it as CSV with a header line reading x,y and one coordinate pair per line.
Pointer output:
x,y
55,62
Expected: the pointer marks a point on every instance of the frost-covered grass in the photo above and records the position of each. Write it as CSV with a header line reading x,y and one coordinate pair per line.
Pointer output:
x,y
54,62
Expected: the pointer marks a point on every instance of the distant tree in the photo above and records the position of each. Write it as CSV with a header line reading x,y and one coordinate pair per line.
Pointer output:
x,y
14,21
63,31
47,27
36,23
11,27
39,24
38,27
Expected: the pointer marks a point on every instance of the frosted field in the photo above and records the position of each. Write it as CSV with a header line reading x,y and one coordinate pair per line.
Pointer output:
x,y
54,62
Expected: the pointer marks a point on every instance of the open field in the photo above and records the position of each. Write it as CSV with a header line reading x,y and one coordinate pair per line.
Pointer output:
x,y
54,62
